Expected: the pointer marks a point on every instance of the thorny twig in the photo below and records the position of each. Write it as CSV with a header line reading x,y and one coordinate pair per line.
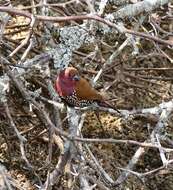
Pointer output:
x,y
68,141
85,17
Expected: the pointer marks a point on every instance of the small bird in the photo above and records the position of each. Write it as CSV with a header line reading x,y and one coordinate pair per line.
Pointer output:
x,y
77,91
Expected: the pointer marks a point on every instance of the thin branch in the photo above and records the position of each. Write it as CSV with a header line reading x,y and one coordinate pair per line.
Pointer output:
x,y
120,141
85,17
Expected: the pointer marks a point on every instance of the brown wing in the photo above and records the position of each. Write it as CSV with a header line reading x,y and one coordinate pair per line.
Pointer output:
x,y
85,91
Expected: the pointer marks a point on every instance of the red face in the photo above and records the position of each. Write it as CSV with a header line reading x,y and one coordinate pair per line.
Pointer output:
x,y
66,81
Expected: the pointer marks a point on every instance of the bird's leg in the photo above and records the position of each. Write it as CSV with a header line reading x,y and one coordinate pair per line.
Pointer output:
x,y
98,118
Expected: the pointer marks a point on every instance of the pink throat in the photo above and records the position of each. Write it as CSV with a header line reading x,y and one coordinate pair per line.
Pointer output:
x,y
65,86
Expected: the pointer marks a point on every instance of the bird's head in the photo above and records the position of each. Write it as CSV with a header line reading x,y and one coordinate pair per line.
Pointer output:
x,y
66,81
70,74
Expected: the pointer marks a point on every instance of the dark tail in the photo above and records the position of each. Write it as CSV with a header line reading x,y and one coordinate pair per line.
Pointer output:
x,y
107,105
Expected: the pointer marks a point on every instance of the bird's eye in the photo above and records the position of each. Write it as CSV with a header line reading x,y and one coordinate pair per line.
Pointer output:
x,y
76,77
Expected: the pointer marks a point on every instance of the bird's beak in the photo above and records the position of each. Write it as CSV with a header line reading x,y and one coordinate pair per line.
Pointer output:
x,y
76,78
